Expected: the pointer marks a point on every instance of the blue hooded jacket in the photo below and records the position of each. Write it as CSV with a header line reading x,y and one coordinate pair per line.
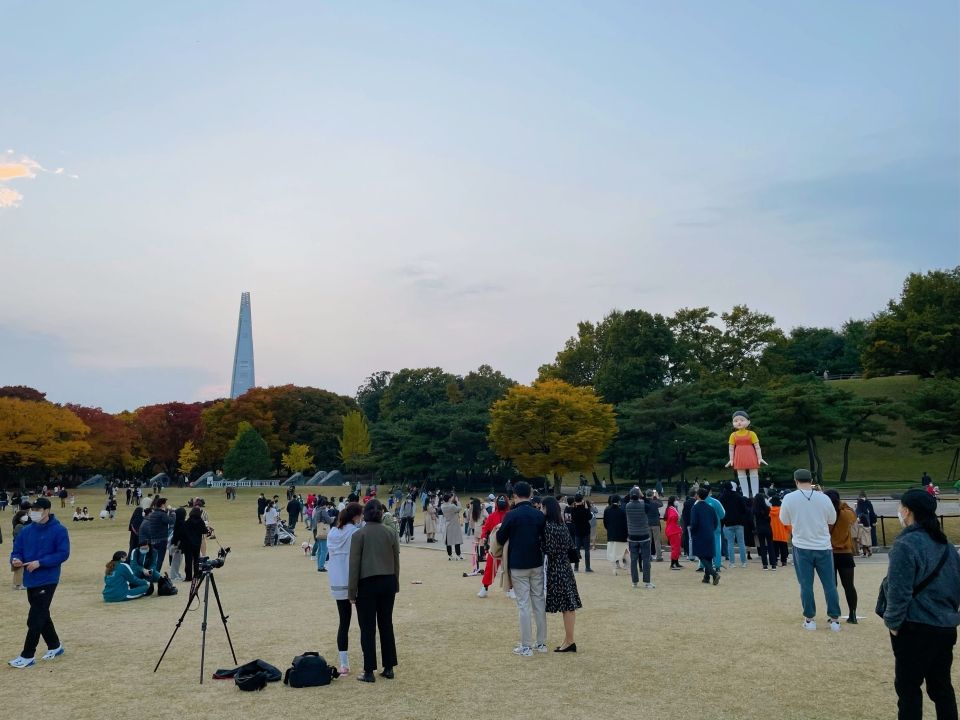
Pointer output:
x,y
46,542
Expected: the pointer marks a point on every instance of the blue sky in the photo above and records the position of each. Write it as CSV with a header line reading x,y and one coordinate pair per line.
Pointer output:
x,y
427,183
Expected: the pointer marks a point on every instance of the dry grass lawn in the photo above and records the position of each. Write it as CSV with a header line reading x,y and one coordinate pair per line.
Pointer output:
x,y
682,650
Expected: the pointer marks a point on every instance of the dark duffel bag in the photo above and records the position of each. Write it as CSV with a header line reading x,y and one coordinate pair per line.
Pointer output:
x,y
309,670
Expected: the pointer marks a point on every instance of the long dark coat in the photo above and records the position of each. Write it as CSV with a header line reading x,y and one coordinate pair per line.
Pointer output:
x,y
703,526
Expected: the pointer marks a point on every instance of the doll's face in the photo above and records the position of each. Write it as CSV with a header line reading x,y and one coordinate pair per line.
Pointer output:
x,y
740,423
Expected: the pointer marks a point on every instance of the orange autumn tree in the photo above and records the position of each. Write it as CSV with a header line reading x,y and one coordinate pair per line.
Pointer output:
x,y
41,434
550,428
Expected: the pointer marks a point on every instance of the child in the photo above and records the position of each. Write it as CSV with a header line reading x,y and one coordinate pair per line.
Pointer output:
x,y
780,532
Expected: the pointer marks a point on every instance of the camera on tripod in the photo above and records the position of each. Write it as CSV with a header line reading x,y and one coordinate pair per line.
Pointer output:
x,y
207,564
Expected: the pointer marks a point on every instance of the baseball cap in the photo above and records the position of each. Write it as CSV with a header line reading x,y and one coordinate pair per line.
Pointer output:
x,y
491,496
41,503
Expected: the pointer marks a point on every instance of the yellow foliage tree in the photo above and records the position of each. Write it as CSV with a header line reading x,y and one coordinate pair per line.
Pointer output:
x,y
189,455
39,433
551,428
355,442
298,458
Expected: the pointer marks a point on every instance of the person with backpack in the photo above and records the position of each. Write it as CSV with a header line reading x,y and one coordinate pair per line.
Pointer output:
x,y
922,592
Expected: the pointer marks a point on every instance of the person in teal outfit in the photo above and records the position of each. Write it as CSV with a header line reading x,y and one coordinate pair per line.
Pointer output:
x,y
718,509
120,583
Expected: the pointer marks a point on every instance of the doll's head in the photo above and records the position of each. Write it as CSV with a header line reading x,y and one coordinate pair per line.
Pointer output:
x,y
741,421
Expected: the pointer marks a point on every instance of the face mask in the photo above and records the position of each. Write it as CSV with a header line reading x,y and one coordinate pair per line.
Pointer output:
x,y
36,515
903,523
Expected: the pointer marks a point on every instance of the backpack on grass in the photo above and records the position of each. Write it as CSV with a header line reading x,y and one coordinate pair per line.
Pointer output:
x,y
309,670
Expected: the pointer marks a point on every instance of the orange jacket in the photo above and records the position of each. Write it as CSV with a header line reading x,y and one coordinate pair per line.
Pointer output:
x,y
781,532
840,537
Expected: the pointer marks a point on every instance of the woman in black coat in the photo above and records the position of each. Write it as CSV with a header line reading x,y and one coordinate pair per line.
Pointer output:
x,y
703,526
191,540
764,532
134,527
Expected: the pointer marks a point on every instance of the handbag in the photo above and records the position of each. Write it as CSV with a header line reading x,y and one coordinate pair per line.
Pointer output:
x,y
322,530
881,607
309,670
166,587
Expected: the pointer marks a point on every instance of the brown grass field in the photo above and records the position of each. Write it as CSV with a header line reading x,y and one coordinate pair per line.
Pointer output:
x,y
681,650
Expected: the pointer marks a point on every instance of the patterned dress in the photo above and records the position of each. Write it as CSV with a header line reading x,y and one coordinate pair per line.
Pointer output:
x,y
562,595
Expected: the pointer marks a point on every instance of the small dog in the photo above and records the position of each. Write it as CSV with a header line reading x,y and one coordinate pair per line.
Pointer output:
x,y
305,546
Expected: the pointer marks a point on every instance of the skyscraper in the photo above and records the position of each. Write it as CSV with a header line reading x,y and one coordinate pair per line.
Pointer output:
x,y
243,378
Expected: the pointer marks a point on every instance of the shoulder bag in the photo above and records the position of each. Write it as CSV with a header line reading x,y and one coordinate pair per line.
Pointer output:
x,y
882,595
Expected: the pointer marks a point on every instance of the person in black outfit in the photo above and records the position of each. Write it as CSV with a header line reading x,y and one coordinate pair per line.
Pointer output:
x,y
136,520
866,516
615,523
191,540
294,508
261,506
761,524
685,523
580,520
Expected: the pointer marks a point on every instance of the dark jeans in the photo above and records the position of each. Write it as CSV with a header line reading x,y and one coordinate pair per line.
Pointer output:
x,y
639,554
345,611
39,621
582,543
375,596
191,556
924,653
780,548
767,552
404,522
161,548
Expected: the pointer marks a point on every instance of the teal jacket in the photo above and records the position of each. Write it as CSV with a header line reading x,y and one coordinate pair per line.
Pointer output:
x,y
718,509
122,584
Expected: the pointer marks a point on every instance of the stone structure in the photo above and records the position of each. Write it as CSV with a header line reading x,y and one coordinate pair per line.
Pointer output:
x,y
243,377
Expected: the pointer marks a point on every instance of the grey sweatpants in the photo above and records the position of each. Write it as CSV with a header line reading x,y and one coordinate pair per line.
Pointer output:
x,y
531,601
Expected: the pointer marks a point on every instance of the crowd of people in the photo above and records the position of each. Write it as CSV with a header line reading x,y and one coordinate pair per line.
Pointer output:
x,y
537,545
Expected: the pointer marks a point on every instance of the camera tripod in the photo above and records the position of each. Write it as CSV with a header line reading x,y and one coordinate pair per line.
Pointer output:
x,y
205,578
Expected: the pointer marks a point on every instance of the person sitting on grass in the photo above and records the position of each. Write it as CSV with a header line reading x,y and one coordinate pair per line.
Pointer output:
x,y
78,515
143,560
120,583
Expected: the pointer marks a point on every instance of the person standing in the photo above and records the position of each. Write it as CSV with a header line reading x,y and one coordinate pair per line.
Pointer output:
x,y
703,532
685,522
374,582
779,531
191,542
133,527
271,518
638,539
407,513
40,548
615,523
923,599
453,532
720,513
763,530
261,507
867,517
492,564
674,534
430,520
561,590
580,530
842,541
652,504
811,514
156,529
734,520
338,543
294,508
523,528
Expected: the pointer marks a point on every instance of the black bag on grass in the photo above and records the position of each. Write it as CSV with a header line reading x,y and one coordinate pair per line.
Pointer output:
x,y
271,673
309,670
166,587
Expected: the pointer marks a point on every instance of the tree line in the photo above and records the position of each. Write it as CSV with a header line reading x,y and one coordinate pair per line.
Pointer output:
x,y
648,393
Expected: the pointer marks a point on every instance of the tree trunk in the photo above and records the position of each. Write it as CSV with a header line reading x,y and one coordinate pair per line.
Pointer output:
x,y
818,470
556,483
811,464
846,459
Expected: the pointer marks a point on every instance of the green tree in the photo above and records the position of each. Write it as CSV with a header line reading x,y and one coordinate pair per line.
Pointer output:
x,y
696,342
298,458
579,361
935,415
371,392
920,332
188,457
355,444
551,428
248,456
746,337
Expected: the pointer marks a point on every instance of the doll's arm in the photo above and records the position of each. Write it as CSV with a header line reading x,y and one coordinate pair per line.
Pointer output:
x,y
756,447
730,464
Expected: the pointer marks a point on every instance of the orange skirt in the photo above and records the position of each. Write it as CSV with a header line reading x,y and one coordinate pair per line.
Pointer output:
x,y
745,457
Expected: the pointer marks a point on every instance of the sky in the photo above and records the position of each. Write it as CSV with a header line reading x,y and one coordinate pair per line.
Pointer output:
x,y
449,183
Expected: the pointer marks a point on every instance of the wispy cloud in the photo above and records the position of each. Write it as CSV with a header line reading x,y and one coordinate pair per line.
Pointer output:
x,y
14,167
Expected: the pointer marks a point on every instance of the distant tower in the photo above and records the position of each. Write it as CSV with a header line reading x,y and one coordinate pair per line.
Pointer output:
x,y
243,378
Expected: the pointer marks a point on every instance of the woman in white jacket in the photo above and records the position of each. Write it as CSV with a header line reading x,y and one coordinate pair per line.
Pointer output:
x,y
338,571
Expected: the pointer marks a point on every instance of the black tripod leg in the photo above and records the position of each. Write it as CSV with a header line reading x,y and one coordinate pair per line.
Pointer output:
x,y
208,578
194,592
223,618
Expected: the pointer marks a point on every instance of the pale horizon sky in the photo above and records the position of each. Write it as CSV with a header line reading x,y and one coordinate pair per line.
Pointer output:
x,y
451,184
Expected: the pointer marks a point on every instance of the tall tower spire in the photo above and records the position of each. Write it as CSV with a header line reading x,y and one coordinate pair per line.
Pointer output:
x,y
243,377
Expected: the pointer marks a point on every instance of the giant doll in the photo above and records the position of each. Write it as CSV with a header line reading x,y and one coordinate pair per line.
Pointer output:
x,y
745,455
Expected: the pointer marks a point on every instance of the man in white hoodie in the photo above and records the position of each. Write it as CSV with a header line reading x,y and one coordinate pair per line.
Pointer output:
x,y
811,513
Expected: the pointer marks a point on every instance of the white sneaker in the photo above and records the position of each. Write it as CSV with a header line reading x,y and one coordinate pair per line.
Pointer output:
x,y
834,625
22,662
636,585
649,586
809,625
482,593
511,594
523,651
743,565
541,648
51,654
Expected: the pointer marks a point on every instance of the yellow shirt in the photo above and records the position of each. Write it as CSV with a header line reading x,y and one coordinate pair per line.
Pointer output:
x,y
753,436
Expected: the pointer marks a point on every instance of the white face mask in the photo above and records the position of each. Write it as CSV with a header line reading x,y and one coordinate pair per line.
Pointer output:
x,y
36,515
903,523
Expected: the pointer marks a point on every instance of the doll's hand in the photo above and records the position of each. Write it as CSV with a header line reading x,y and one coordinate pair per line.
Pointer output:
x,y
763,462
729,464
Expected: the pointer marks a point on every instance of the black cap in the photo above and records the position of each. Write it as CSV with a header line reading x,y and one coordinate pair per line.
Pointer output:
x,y
41,503
919,500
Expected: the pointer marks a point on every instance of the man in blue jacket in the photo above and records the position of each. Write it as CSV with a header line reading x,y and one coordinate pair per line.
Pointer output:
x,y
523,527
40,549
